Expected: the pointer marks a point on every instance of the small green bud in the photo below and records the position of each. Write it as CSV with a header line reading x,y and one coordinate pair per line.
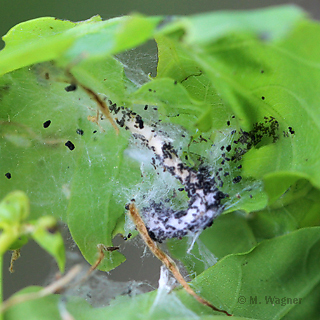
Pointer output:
x,y
14,208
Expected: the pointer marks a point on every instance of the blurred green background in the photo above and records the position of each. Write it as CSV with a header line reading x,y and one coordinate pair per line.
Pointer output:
x,y
15,11
34,266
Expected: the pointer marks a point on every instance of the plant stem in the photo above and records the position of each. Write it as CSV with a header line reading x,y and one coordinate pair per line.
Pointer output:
x,y
1,283
52,288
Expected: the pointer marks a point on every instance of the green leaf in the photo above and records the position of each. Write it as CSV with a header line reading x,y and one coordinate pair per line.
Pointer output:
x,y
45,39
34,41
234,65
94,210
45,172
271,23
167,94
229,234
238,233
300,213
254,78
104,38
136,30
82,185
45,233
19,243
14,209
50,307
43,308
104,76
176,62
290,272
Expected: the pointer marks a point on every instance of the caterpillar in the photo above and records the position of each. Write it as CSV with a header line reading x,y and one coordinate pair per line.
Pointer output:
x,y
204,203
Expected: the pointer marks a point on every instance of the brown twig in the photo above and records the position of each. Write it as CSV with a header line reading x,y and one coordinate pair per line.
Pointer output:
x,y
164,258
101,248
102,105
14,256
100,102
